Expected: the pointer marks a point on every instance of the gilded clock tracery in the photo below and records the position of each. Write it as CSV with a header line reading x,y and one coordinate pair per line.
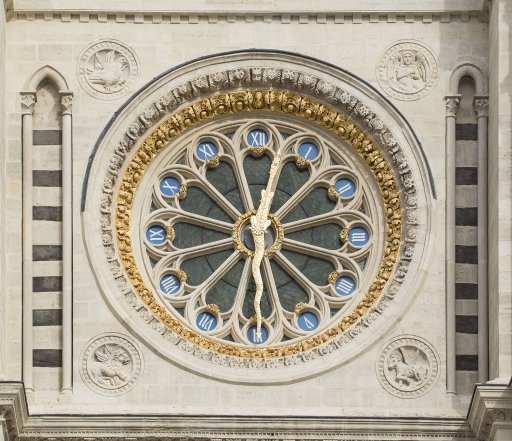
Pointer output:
x,y
321,245
272,101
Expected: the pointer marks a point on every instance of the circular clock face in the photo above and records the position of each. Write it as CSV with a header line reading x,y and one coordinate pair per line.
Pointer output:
x,y
196,249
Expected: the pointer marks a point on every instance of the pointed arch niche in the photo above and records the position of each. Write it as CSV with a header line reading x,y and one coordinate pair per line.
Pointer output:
x,y
47,205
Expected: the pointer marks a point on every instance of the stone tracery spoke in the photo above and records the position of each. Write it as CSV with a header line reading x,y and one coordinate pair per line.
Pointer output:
x,y
313,250
175,257
242,181
194,296
218,197
297,274
297,198
176,215
318,294
336,216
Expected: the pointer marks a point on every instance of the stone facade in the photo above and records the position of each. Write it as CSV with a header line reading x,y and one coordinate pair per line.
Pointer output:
x,y
89,93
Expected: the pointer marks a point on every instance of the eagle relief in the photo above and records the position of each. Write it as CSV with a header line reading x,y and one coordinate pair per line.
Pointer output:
x,y
107,69
110,364
407,71
408,367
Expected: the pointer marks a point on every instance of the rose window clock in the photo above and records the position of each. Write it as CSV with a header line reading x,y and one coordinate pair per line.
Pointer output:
x,y
252,228
258,231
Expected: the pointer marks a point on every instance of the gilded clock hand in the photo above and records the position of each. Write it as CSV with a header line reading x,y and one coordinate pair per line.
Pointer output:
x,y
259,225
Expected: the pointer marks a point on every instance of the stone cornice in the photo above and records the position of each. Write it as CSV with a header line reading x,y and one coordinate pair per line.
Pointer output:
x,y
22,426
491,405
265,11
257,5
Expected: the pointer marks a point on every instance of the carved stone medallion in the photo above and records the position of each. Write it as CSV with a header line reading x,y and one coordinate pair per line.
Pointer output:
x,y
408,367
407,71
111,364
107,69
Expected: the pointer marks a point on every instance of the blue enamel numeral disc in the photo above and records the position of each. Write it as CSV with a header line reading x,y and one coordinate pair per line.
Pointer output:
x,y
170,284
251,335
307,321
156,235
206,150
169,186
358,236
308,151
206,321
345,286
257,138
345,188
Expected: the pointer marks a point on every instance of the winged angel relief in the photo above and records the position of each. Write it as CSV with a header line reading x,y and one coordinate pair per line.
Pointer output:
x,y
109,70
408,71
410,367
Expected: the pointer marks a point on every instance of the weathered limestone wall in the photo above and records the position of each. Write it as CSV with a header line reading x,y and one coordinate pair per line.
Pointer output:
x,y
355,43
2,198
500,191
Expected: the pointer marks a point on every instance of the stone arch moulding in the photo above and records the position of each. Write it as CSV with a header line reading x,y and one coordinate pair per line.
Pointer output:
x,y
46,73
473,71
239,74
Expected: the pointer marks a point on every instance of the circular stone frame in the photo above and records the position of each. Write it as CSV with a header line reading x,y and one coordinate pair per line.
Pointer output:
x,y
239,82
132,64
389,57
116,340
420,344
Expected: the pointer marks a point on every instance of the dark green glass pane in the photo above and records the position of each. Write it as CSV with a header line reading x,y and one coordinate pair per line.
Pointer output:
x,y
256,171
223,292
291,178
248,308
199,268
315,203
315,269
224,180
189,235
325,236
289,291
198,202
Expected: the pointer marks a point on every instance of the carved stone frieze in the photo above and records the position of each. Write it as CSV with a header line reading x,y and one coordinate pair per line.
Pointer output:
x,y
408,367
407,71
111,364
107,69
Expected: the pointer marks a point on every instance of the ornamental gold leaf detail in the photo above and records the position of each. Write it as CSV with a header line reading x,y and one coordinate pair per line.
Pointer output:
x,y
270,101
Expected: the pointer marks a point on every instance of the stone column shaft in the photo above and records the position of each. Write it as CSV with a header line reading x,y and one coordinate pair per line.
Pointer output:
x,y
67,243
28,101
481,106
452,106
